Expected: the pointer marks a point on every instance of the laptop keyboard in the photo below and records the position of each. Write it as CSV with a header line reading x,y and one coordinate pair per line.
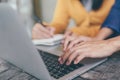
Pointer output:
x,y
56,69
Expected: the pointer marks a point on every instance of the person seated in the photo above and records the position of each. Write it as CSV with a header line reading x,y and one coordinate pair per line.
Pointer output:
x,y
103,45
87,14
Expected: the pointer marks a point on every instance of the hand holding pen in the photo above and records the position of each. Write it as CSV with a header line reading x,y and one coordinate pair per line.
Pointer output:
x,y
41,31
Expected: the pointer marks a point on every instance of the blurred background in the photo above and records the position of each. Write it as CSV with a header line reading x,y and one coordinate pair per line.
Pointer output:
x,y
29,8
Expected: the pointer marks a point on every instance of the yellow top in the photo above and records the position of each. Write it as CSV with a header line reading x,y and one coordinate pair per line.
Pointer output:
x,y
87,23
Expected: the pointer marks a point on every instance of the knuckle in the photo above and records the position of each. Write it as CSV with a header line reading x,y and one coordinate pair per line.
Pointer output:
x,y
72,43
70,58
85,54
65,56
73,56
76,51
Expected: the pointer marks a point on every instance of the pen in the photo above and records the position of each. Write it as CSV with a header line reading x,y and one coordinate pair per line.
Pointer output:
x,y
38,20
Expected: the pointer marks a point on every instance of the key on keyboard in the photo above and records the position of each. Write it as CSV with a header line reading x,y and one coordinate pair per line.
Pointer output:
x,y
55,69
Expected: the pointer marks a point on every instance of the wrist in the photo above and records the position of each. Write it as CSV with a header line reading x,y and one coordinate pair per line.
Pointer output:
x,y
103,34
115,42
98,38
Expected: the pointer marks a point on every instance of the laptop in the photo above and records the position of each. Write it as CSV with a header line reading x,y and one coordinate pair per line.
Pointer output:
x,y
17,48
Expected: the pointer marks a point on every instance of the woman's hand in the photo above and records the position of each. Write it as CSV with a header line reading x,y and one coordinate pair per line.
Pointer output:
x,y
71,41
41,32
92,49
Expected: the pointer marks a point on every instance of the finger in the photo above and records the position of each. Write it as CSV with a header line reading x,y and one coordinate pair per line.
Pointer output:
x,y
68,33
79,58
64,57
77,49
60,60
73,56
52,30
44,30
74,49
38,28
81,44
66,42
79,40
74,42
46,35
40,35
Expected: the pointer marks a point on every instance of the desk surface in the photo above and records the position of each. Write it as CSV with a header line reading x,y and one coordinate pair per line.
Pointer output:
x,y
109,70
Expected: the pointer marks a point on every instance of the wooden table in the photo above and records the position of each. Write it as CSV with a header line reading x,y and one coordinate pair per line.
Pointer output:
x,y
109,70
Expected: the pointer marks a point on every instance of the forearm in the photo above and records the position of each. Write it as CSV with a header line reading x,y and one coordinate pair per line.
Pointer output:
x,y
115,42
104,33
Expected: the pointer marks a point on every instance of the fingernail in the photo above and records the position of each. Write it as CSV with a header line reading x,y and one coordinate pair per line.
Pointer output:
x,y
75,62
61,62
59,59
68,62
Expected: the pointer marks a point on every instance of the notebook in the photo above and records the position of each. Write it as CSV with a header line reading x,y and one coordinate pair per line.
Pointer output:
x,y
56,39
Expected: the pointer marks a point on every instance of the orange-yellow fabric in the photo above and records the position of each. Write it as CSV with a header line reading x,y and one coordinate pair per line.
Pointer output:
x,y
87,23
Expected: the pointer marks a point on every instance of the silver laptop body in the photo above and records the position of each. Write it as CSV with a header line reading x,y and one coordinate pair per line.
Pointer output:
x,y
17,48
